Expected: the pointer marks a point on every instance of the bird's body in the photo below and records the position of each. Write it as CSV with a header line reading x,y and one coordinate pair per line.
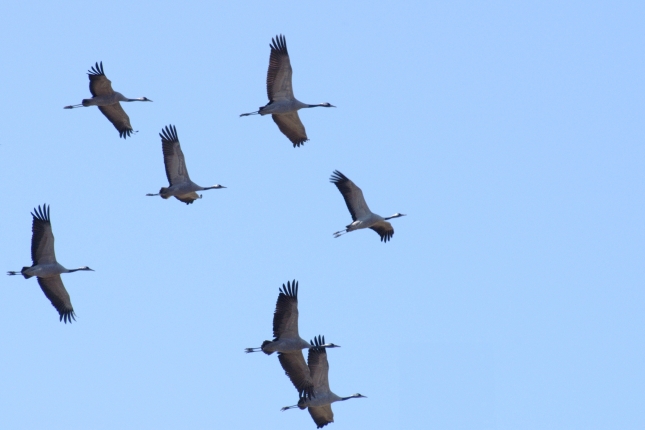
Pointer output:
x,y
108,100
181,187
319,404
287,342
283,106
362,216
45,267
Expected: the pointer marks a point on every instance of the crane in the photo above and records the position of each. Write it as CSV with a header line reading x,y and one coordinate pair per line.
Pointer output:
x,y
45,266
108,100
287,342
181,186
319,404
362,217
283,106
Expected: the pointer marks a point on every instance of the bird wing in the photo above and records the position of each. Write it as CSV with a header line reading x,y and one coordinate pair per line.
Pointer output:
x,y
322,415
384,229
100,85
319,368
296,369
118,118
173,157
42,238
352,194
285,317
291,126
279,73
188,198
55,291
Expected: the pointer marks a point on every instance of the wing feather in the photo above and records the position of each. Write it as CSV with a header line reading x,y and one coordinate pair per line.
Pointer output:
x,y
291,126
173,156
55,291
42,238
100,85
384,229
285,317
118,118
319,366
279,73
296,369
352,194
322,415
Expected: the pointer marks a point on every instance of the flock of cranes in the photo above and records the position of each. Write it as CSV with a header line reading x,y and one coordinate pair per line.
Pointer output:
x,y
310,378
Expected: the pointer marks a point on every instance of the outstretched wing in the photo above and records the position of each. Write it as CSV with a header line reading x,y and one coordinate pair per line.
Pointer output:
x,y
100,85
42,238
352,194
118,118
188,198
291,126
173,157
279,74
55,291
322,415
296,369
319,366
384,229
285,317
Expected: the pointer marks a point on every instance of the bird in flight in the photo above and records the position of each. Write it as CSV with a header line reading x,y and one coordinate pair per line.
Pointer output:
x,y
283,106
108,100
45,267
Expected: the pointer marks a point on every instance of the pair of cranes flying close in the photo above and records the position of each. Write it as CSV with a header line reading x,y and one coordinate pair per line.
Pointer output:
x,y
283,106
310,378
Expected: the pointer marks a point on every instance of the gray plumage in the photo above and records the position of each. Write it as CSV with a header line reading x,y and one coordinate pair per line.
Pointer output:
x,y
319,404
362,216
45,266
283,106
108,100
287,341
180,185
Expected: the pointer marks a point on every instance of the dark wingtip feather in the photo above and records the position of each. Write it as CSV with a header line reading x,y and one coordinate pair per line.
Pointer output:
x,y
96,70
169,134
337,177
279,44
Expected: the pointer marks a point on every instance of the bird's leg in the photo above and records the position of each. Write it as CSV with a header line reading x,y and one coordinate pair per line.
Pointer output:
x,y
247,350
73,106
250,113
12,273
340,233
152,194
288,407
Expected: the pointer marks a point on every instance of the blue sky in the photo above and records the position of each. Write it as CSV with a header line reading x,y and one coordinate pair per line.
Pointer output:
x,y
511,133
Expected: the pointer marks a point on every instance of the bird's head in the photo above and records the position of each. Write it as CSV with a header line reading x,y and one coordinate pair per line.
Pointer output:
x,y
145,99
331,345
327,105
358,395
218,186
396,215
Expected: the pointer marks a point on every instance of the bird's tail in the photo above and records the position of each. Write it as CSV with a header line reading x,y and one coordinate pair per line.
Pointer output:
x,y
265,343
163,191
22,272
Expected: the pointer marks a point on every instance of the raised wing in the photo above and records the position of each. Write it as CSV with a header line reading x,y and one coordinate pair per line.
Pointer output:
x,y
118,118
322,415
188,198
55,291
279,74
318,365
384,229
285,317
291,126
352,194
296,369
173,157
42,238
100,85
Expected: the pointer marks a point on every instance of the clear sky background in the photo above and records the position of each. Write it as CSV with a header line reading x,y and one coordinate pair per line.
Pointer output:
x,y
511,133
